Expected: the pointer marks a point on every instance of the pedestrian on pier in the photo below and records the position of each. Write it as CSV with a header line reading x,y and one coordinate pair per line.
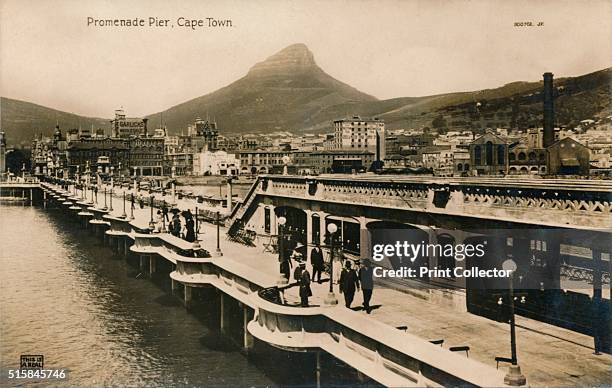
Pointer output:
x,y
189,226
175,225
165,211
305,291
366,279
349,282
316,260
159,220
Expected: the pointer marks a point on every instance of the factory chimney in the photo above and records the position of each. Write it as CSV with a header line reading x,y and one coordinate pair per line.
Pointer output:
x,y
549,112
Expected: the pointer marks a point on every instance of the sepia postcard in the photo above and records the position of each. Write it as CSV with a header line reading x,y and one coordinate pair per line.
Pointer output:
x,y
231,193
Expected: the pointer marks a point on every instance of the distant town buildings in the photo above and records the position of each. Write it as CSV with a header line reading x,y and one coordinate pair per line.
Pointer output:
x,y
353,144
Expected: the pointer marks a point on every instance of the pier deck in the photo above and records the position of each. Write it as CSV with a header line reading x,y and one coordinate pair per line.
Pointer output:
x,y
548,355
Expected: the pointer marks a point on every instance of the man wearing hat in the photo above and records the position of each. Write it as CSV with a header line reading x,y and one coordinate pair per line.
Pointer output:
x,y
366,278
349,282
304,282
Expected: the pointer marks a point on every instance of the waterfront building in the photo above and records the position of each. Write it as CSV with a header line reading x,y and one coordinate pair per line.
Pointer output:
x,y
125,127
489,155
461,162
523,159
263,161
357,133
439,159
146,156
325,161
49,154
215,163
178,163
568,157
88,151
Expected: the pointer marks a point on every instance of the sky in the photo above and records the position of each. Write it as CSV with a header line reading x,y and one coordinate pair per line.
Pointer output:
x,y
386,48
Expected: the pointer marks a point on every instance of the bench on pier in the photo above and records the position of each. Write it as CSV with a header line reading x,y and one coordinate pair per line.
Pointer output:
x,y
502,359
465,349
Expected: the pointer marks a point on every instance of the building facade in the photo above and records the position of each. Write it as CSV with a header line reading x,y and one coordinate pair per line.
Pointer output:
x,y
489,155
216,163
361,134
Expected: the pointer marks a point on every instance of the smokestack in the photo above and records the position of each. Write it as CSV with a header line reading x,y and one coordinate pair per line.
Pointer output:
x,y
145,126
549,112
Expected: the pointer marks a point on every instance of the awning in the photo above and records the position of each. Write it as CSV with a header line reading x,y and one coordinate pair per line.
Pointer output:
x,y
570,162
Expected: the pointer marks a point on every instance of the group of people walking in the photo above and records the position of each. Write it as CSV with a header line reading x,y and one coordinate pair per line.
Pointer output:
x,y
183,229
350,280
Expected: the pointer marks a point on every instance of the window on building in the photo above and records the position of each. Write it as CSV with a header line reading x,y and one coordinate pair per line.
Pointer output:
x,y
522,156
489,153
501,154
477,155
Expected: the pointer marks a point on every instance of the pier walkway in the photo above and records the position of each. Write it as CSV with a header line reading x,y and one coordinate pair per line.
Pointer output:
x,y
548,355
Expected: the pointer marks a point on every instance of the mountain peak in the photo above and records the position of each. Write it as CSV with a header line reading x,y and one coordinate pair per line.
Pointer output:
x,y
296,57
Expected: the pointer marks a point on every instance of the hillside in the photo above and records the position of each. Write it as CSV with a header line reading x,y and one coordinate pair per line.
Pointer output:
x,y
21,120
285,92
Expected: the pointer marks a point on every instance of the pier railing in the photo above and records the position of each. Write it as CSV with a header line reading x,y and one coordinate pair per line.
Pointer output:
x,y
582,203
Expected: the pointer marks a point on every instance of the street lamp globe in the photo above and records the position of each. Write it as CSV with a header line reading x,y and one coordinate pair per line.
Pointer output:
x,y
282,220
332,228
509,265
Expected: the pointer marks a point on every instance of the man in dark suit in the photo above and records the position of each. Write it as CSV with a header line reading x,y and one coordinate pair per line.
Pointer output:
x,y
316,260
349,282
366,278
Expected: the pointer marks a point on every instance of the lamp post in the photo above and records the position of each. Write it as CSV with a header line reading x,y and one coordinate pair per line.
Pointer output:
x,y
105,206
123,215
132,207
151,222
331,299
196,242
281,255
514,375
110,208
218,252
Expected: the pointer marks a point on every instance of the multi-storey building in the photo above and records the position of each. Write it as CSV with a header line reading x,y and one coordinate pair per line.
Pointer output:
x,y
341,160
125,127
86,152
146,155
263,161
361,134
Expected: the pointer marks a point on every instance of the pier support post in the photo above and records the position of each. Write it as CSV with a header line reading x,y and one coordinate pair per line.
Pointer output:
x,y
188,295
247,343
172,286
152,267
318,355
143,264
222,317
125,247
31,196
